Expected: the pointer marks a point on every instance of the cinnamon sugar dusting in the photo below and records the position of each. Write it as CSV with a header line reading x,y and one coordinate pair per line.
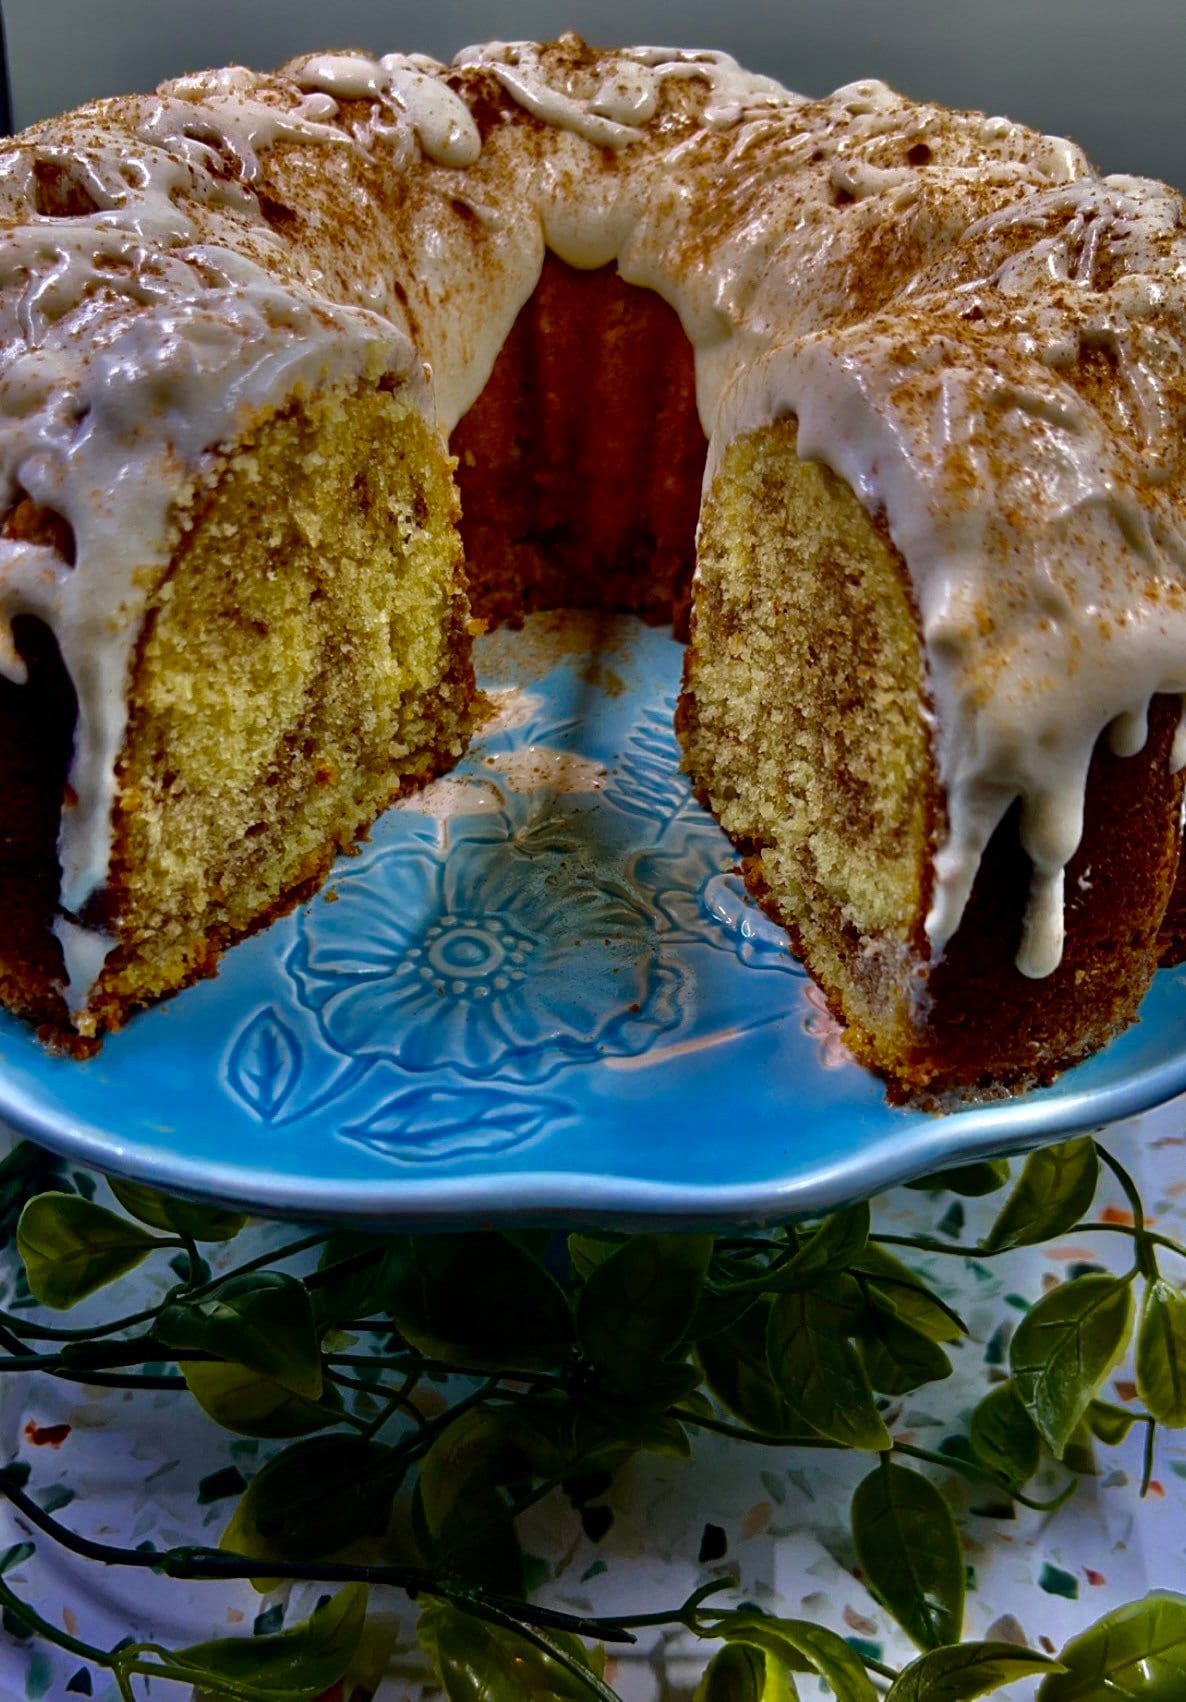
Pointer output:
x,y
982,337
533,768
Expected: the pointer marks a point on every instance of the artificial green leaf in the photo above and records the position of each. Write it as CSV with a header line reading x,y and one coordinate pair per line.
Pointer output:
x,y
817,1371
349,1280
665,1384
909,1295
969,1180
635,1309
736,1673
1137,1653
241,1400
742,1673
263,1320
1161,1353
832,1246
478,1662
1063,1349
909,1551
383,1639
478,1541
25,1171
461,1515
657,1433
1079,1454
534,1242
589,1251
1109,1423
477,1300
314,1499
460,1511
72,1247
15,1555
738,1373
717,1313
802,1647
607,1433
176,1216
301,1662
896,1357
1004,1435
1056,1187
481,1449
968,1670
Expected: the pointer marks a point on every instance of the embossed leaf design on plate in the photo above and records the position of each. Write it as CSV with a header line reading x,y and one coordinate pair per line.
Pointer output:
x,y
264,1064
693,881
434,1122
648,782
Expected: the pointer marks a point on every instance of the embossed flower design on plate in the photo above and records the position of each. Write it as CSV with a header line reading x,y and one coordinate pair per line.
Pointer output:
x,y
512,951
697,889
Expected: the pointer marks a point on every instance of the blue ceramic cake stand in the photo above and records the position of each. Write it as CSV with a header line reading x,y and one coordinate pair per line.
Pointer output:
x,y
540,993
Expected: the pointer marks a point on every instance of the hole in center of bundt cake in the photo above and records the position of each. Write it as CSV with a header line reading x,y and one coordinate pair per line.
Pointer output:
x,y
580,463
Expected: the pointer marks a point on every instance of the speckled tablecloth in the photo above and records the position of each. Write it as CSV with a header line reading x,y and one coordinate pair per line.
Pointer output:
x,y
132,1468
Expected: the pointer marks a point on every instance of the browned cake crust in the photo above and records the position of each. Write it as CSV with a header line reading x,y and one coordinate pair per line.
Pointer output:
x,y
983,1029
983,1010
36,733
1171,947
572,494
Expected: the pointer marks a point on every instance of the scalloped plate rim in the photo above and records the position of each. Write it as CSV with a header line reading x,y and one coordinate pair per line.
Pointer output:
x,y
932,1143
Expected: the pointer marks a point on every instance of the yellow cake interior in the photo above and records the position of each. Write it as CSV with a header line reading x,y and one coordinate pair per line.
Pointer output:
x,y
805,732
298,669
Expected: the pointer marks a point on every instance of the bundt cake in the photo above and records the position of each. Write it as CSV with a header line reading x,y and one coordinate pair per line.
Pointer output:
x,y
926,367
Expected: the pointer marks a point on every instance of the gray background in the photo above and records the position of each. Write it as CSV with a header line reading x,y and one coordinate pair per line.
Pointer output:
x,y
1109,73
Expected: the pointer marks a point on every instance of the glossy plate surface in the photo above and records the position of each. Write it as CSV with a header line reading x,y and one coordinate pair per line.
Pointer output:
x,y
539,992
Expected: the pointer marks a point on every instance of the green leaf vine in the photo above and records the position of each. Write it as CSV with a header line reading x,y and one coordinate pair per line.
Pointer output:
x,y
553,1362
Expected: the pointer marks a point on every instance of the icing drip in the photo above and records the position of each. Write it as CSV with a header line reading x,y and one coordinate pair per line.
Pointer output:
x,y
981,337
963,405
215,340
441,120
627,96
84,951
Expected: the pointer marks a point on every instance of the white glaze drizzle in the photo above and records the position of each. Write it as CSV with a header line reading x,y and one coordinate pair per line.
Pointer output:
x,y
1041,633
441,120
627,96
113,435
998,477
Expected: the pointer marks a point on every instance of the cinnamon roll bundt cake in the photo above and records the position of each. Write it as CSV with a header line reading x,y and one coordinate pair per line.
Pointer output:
x,y
259,332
